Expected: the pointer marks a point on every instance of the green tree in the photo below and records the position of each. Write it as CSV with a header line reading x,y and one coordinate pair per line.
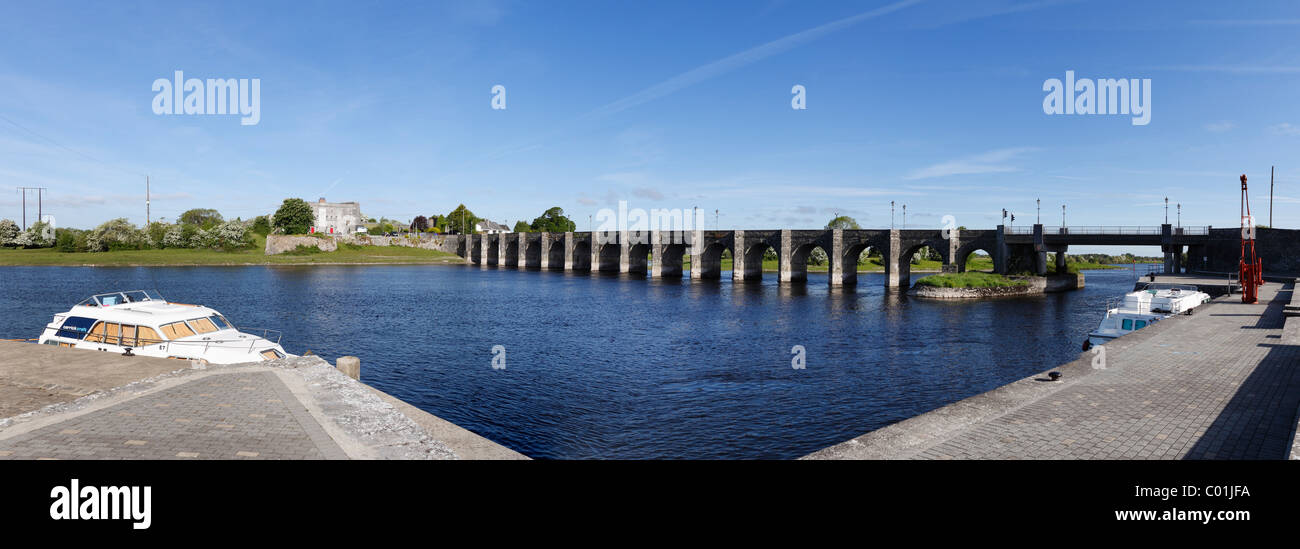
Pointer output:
x,y
843,222
295,216
553,221
461,220
204,218
262,225
521,227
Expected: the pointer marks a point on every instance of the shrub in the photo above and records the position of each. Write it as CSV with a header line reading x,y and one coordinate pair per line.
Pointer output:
x,y
8,232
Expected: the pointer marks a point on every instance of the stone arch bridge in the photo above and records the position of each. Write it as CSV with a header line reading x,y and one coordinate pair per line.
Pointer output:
x,y
664,253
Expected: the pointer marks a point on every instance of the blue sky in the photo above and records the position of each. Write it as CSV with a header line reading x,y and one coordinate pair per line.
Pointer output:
x,y
933,104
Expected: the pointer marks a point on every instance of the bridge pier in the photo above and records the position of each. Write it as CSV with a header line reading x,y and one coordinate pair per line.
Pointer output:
x,y
785,256
705,264
746,258
894,278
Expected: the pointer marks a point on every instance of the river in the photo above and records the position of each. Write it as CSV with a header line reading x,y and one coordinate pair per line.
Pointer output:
x,y
618,366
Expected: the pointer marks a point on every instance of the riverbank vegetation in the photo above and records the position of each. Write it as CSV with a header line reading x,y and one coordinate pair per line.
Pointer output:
x,y
971,280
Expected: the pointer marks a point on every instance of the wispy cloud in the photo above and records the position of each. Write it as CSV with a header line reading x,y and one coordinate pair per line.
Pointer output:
x,y
1285,128
989,162
1219,126
1240,69
1245,22
736,61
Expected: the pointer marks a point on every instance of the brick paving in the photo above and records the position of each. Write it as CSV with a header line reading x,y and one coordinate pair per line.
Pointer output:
x,y
242,415
1222,385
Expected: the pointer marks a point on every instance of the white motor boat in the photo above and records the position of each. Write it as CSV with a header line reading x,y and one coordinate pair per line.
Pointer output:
x,y
1137,310
142,323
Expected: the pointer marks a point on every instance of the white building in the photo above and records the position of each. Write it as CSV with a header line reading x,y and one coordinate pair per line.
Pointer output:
x,y
490,227
337,217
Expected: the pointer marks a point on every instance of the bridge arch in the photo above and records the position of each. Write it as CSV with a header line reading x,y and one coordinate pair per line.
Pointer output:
x,y
638,257
493,250
512,250
710,261
581,258
555,255
532,252
606,258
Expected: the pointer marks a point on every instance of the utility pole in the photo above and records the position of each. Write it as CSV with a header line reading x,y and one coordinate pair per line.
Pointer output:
x,y
1270,196
39,212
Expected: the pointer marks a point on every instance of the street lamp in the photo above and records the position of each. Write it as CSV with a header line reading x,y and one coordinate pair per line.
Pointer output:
x,y
1038,203
1180,216
1062,216
904,217
891,214
1166,210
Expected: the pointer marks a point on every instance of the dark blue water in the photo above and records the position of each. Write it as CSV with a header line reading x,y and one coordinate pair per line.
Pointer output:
x,y
601,366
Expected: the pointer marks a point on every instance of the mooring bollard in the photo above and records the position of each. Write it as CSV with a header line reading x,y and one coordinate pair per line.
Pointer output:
x,y
350,366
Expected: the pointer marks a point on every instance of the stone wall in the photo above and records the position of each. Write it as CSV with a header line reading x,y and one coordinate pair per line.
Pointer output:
x,y
278,243
1278,250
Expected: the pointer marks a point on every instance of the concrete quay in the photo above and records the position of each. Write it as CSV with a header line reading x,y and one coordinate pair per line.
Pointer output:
x,y
75,404
1223,383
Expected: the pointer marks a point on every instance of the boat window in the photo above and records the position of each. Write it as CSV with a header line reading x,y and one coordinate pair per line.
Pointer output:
x,y
176,330
1127,324
1141,324
96,334
220,322
128,336
110,299
203,325
147,336
76,327
112,331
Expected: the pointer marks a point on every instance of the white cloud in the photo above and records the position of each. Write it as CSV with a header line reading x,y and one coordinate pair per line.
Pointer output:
x,y
1285,128
989,162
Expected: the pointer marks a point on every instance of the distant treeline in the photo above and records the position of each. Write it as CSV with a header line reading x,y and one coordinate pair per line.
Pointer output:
x,y
1108,259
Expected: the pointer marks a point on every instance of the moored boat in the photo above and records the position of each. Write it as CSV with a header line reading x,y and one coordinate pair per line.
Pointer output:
x,y
1137,310
142,323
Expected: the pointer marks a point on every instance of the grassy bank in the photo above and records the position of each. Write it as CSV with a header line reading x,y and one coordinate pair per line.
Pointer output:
x,y
970,280
250,256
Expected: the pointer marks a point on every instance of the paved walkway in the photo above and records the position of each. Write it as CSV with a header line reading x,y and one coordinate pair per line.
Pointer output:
x,y
226,416
1221,384
299,408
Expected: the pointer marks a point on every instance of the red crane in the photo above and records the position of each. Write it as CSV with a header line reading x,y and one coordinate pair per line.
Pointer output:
x,y
1252,269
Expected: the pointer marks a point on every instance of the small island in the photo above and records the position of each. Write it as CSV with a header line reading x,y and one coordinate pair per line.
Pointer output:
x,y
975,285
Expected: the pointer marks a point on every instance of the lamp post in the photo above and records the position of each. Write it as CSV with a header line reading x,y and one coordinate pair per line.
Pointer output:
x,y
1062,216
1038,203
904,217
1180,216
1166,210
891,214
